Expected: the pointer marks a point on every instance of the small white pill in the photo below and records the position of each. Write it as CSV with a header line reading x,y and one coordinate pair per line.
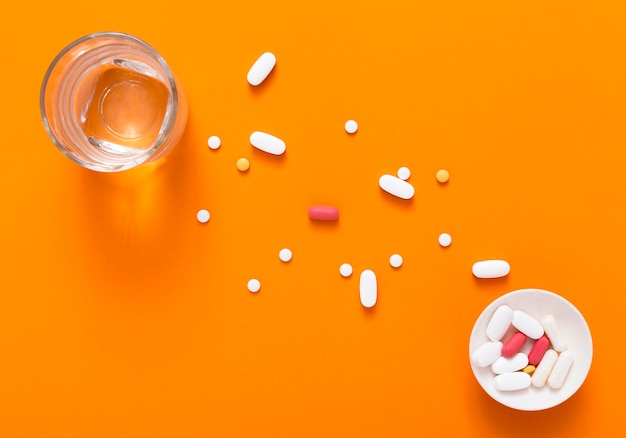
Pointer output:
x,y
544,368
261,68
512,381
368,289
486,354
203,216
509,364
267,143
285,255
404,173
527,324
491,269
395,260
396,187
351,126
345,270
445,240
214,142
553,332
560,370
499,323
254,285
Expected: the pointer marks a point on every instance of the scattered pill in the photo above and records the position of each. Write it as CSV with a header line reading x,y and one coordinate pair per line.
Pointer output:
x,y
261,68
404,173
243,164
368,289
323,213
443,176
203,216
491,269
509,364
554,333
513,344
214,142
529,369
538,350
267,143
560,370
285,255
527,324
351,126
254,285
512,381
486,354
345,270
396,260
445,240
544,368
499,323
396,187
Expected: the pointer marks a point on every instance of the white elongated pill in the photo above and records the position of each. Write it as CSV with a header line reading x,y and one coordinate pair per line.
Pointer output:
x,y
486,354
509,364
512,381
491,269
499,322
527,324
396,187
267,143
560,370
368,288
544,368
554,333
261,68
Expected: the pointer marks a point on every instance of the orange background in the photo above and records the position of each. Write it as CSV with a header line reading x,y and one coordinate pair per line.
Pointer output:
x,y
122,316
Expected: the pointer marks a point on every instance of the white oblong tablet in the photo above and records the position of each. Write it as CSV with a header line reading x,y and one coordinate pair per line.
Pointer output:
x,y
560,370
509,364
512,381
486,354
544,368
267,143
553,332
261,68
368,288
396,187
491,269
527,324
499,323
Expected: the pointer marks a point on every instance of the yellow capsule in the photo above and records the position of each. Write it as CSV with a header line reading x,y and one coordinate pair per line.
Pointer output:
x,y
529,369
443,176
243,164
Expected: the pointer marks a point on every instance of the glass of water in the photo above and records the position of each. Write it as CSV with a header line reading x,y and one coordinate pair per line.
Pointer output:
x,y
110,102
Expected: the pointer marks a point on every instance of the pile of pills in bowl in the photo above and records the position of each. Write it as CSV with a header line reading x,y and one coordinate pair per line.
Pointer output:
x,y
547,361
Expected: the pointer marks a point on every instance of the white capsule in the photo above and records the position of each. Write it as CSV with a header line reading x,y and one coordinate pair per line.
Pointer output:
x,y
554,333
491,269
544,368
267,143
261,68
509,364
527,324
512,381
486,354
560,370
499,323
368,288
396,187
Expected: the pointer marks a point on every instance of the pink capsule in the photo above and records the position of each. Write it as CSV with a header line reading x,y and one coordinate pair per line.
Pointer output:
x,y
323,213
512,346
539,349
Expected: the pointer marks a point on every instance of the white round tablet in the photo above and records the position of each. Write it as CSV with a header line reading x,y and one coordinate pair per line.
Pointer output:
x,y
445,239
345,270
395,260
254,285
214,142
404,173
351,126
203,216
285,255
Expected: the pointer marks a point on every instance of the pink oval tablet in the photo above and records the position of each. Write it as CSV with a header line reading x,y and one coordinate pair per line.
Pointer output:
x,y
512,346
323,213
539,349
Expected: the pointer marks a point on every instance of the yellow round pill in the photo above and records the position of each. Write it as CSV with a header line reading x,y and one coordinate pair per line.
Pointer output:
x,y
243,164
529,369
443,176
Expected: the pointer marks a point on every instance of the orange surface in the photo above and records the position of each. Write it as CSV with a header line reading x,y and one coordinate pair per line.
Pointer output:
x,y
122,316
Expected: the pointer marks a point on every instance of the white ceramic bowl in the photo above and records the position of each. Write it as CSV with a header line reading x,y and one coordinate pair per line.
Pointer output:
x,y
538,303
